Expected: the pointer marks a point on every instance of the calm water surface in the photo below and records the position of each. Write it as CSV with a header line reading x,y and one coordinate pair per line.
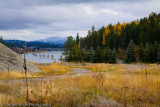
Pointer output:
x,y
44,57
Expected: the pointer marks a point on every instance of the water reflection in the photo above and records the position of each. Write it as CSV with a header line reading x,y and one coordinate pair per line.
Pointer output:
x,y
45,57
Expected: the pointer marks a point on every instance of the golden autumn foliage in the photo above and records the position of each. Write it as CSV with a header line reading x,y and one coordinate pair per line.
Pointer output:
x,y
79,45
114,28
119,28
137,22
104,40
97,33
107,30
124,24
97,36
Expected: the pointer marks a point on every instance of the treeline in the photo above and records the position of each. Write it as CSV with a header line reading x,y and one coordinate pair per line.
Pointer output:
x,y
20,44
137,41
143,31
73,52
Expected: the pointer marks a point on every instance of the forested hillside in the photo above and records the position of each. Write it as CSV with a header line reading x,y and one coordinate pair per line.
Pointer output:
x,y
145,30
134,41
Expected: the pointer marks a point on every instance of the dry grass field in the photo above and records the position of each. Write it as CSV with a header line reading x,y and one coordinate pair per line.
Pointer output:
x,y
107,85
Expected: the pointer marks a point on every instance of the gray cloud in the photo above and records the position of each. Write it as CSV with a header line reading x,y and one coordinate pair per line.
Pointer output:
x,y
23,3
23,19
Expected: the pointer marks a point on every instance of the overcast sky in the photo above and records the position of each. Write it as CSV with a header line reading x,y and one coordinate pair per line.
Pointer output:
x,y
37,19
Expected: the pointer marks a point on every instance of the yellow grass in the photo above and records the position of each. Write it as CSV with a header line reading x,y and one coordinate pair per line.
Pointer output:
x,y
127,88
100,67
52,69
105,67
46,70
14,75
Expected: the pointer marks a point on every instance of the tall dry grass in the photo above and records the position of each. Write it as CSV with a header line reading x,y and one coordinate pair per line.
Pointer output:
x,y
127,88
98,67
46,70
14,75
52,69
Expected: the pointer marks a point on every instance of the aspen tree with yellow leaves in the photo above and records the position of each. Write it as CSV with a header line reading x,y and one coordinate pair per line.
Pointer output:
x,y
104,41
79,45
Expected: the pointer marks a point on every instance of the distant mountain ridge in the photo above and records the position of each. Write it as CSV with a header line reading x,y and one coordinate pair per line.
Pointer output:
x,y
36,44
56,40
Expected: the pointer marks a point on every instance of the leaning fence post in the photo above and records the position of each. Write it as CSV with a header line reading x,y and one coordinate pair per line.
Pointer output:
x,y
25,69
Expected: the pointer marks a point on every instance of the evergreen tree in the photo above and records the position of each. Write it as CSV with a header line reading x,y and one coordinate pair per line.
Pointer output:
x,y
112,56
105,55
88,42
158,54
98,55
141,53
69,47
130,52
75,53
77,39
90,55
92,29
1,40
109,56
154,52
147,53
82,55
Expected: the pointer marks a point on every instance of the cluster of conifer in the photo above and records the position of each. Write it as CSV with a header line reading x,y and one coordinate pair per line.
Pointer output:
x,y
137,41
143,31
73,52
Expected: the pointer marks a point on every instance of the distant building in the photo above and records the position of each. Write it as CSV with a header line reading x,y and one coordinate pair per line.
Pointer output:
x,y
32,49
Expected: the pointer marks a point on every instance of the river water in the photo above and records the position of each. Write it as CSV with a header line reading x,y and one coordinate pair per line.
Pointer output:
x,y
44,57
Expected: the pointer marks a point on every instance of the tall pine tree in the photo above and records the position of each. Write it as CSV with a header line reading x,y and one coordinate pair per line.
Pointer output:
x,y
77,39
105,55
90,55
141,53
98,55
147,53
130,52
69,47
112,56
1,40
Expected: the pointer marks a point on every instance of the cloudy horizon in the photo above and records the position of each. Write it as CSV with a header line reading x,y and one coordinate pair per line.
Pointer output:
x,y
39,19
